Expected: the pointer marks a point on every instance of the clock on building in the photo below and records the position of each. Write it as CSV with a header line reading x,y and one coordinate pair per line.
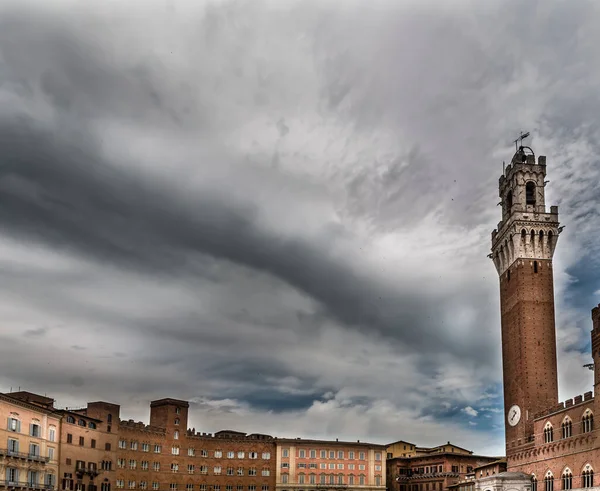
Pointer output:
x,y
514,415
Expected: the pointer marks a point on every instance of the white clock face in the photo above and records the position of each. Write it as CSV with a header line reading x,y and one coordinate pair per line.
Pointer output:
x,y
514,415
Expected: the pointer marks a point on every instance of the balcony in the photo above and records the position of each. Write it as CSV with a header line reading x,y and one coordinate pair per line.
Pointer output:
x,y
26,485
90,471
25,456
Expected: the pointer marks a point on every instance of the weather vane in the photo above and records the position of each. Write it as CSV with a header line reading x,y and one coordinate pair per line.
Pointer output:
x,y
520,139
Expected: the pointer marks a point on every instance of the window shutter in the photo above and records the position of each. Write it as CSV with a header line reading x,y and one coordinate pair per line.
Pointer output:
x,y
16,445
18,426
8,424
16,475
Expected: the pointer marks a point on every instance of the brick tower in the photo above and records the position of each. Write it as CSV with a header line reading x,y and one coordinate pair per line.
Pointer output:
x,y
522,250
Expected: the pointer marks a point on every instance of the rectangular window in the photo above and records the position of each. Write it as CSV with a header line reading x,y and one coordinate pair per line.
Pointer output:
x,y
107,446
34,450
52,435
302,454
121,463
301,479
312,465
361,480
284,478
69,438
14,425
50,453
331,454
240,471
266,472
175,451
340,454
361,456
341,466
377,455
191,452
204,469
132,464
252,471
156,466
81,441
377,467
230,471
253,455
145,465
323,465
332,466
190,468
323,454
285,465
156,448
266,455
301,465
313,454
241,455
122,444
134,445
145,448
155,486
230,455
313,479
203,453
217,470
218,454
34,430
93,443
174,467
285,452
351,455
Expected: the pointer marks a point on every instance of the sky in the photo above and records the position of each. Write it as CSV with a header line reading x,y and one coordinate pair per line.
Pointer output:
x,y
281,210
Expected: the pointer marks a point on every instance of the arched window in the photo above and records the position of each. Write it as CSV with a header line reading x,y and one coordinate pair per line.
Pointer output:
x,y
322,479
70,419
340,479
509,201
81,422
331,479
587,421
567,428
548,433
109,418
530,193
533,483
92,425
587,477
549,482
532,236
550,238
523,235
541,236
567,479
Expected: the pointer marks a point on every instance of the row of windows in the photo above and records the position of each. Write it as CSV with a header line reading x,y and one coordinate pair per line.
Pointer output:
x,y
323,465
81,442
81,422
34,449
175,450
35,430
191,468
188,487
32,478
587,481
587,425
330,479
324,454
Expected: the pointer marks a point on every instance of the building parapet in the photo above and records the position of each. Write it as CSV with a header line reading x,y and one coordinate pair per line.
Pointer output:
x,y
562,406
140,426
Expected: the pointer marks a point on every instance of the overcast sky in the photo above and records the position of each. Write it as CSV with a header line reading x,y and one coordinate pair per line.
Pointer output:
x,y
281,210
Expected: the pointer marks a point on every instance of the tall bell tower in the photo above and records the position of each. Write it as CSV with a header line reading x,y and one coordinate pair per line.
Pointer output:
x,y
522,250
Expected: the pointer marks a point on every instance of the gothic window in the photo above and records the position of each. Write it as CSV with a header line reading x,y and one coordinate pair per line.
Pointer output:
x,y
530,193
549,482
509,201
550,236
535,266
567,428
548,434
567,479
587,477
534,483
587,422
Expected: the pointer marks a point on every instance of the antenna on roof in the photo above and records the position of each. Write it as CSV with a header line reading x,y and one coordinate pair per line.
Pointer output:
x,y
520,139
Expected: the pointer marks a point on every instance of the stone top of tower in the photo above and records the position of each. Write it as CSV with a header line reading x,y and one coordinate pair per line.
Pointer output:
x,y
527,229
596,318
